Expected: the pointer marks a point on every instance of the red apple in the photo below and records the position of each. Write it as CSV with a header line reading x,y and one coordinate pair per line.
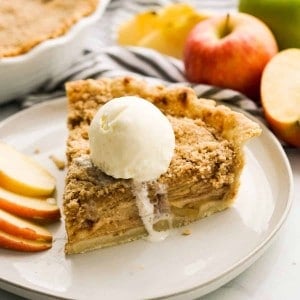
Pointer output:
x,y
229,51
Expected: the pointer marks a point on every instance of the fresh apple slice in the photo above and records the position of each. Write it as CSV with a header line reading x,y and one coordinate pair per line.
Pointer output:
x,y
29,207
280,95
20,228
21,174
16,243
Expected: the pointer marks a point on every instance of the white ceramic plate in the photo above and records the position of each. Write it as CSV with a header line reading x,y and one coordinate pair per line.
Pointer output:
x,y
219,248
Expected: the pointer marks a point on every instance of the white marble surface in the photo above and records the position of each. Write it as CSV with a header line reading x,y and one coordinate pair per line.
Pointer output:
x,y
276,275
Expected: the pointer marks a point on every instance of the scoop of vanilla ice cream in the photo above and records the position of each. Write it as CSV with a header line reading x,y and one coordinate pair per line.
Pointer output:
x,y
131,138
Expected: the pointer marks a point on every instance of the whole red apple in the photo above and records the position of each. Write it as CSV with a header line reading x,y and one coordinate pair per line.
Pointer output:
x,y
229,51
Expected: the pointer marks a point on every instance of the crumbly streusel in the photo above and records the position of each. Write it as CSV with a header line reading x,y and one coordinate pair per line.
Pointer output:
x,y
24,24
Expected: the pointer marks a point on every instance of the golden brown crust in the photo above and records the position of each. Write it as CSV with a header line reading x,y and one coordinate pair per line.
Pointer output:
x,y
175,101
23,24
203,176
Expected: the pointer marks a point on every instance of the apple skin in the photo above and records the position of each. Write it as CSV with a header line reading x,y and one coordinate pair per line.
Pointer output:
x,y
282,17
12,242
286,131
28,207
18,227
280,95
229,52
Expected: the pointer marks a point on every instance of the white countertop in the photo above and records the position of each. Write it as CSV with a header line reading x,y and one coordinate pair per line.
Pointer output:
x,y
276,275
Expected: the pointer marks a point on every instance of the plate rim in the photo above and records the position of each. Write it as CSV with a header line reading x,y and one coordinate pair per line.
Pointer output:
x,y
231,272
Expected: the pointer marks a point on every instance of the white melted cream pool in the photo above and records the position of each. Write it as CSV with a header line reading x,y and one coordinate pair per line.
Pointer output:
x,y
147,212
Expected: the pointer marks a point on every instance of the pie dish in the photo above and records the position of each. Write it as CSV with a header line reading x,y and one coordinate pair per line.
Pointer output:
x,y
23,24
202,179
49,45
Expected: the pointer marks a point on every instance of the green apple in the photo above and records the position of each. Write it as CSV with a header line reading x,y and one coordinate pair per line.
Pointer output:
x,y
282,17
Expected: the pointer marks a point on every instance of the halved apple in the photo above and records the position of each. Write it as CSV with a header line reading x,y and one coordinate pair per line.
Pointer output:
x,y
16,243
21,228
280,95
28,207
21,174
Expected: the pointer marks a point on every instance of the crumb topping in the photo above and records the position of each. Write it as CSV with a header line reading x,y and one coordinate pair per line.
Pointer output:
x,y
24,24
200,153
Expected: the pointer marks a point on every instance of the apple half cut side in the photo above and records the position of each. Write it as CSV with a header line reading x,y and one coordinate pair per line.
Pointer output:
x,y
21,174
23,229
9,241
29,207
280,95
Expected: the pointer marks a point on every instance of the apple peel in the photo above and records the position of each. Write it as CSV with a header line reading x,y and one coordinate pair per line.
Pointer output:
x,y
280,95
28,207
16,243
22,228
229,51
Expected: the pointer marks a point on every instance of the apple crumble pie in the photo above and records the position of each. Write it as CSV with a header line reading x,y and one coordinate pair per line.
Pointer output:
x,y
202,178
24,24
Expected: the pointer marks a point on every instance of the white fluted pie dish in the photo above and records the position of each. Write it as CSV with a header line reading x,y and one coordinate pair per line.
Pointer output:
x,y
22,74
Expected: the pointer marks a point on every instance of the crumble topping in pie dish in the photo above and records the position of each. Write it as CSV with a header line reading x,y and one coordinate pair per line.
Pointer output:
x,y
25,24
203,176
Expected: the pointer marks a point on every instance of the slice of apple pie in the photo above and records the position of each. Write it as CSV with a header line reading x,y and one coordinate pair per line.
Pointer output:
x,y
202,178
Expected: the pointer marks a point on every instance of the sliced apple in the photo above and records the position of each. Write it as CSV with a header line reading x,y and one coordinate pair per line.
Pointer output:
x,y
280,95
28,207
21,174
21,228
16,243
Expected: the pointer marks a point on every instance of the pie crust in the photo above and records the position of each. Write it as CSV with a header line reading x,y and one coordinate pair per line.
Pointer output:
x,y
24,24
202,179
